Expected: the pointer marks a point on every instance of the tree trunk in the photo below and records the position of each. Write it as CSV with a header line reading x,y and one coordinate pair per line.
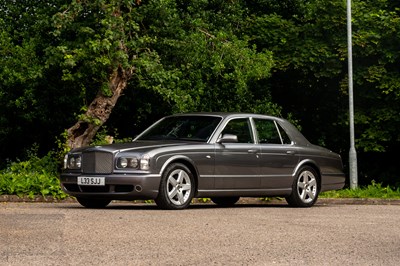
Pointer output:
x,y
99,110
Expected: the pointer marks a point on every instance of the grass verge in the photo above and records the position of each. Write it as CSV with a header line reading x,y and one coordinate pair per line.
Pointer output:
x,y
372,191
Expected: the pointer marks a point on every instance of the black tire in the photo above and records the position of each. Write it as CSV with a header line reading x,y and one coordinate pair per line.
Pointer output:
x,y
93,203
305,188
225,201
177,188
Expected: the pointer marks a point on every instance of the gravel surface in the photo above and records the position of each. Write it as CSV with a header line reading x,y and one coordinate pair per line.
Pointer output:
x,y
248,234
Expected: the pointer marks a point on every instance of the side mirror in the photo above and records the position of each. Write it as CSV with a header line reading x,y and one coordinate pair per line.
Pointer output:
x,y
228,138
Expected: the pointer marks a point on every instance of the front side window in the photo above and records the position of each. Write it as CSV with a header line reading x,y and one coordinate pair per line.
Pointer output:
x,y
267,131
192,128
241,128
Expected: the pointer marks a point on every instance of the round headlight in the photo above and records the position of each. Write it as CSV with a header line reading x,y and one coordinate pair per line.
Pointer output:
x,y
123,162
71,163
78,162
133,163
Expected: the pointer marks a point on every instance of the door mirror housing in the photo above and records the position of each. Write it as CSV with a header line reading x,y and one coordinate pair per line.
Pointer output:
x,y
228,138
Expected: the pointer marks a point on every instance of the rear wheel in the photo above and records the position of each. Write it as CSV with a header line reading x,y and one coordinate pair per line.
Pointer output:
x,y
177,188
93,203
225,201
305,188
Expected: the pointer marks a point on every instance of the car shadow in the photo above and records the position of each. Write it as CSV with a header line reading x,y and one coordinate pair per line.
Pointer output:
x,y
151,206
126,205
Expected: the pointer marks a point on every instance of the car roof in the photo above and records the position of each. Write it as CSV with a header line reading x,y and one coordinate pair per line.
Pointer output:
x,y
227,114
293,132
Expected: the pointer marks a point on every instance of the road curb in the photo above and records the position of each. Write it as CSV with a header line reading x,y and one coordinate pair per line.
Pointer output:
x,y
273,201
15,198
358,201
328,201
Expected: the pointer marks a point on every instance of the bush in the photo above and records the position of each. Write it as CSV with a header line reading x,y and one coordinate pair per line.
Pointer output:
x,y
35,176
374,190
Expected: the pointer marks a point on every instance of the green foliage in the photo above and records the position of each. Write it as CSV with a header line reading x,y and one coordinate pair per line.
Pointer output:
x,y
207,65
377,76
106,136
35,176
35,106
286,58
62,146
203,200
309,80
93,38
374,190
308,41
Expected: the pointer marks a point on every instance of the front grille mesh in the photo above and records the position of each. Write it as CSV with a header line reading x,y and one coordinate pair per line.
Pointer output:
x,y
97,162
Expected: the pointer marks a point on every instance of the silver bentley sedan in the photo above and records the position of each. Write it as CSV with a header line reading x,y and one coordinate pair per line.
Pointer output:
x,y
222,156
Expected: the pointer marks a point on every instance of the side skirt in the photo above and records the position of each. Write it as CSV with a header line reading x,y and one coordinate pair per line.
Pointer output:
x,y
244,193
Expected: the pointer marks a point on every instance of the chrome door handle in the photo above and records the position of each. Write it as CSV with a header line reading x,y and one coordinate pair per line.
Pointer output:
x,y
252,151
290,152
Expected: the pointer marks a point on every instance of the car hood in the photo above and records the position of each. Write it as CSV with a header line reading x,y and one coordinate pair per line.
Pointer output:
x,y
135,146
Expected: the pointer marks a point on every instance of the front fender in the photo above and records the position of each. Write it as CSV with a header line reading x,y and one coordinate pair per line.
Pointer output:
x,y
177,158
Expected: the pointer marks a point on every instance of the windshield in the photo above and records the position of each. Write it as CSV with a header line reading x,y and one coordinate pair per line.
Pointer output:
x,y
192,128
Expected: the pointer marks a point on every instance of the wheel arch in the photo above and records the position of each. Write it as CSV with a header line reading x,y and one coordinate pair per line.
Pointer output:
x,y
185,161
312,164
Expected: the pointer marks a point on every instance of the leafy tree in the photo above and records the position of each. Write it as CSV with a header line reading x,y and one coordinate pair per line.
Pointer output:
x,y
82,56
310,45
310,50
63,61
30,94
99,46
309,54
213,69
182,54
376,41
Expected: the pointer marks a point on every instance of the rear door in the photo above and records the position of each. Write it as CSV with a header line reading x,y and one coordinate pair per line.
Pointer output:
x,y
277,155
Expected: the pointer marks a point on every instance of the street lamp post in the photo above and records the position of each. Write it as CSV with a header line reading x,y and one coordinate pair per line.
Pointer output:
x,y
352,153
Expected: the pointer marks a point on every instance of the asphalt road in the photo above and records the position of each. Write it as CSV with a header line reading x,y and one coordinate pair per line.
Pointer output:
x,y
132,234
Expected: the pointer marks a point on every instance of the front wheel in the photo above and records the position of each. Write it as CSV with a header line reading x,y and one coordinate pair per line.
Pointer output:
x,y
177,188
305,188
93,203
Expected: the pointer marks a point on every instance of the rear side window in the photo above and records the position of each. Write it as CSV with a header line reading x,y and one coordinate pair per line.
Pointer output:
x,y
284,135
270,132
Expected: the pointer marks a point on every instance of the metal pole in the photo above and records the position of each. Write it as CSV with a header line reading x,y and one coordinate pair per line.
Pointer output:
x,y
352,153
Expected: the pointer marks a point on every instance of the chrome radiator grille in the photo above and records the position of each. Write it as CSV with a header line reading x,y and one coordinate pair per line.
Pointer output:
x,y
97,162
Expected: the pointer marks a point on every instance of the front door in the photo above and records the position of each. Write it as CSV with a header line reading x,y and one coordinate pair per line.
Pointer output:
x,y
237,164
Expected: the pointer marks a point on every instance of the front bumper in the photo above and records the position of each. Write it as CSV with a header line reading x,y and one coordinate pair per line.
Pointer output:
x,y
117,186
